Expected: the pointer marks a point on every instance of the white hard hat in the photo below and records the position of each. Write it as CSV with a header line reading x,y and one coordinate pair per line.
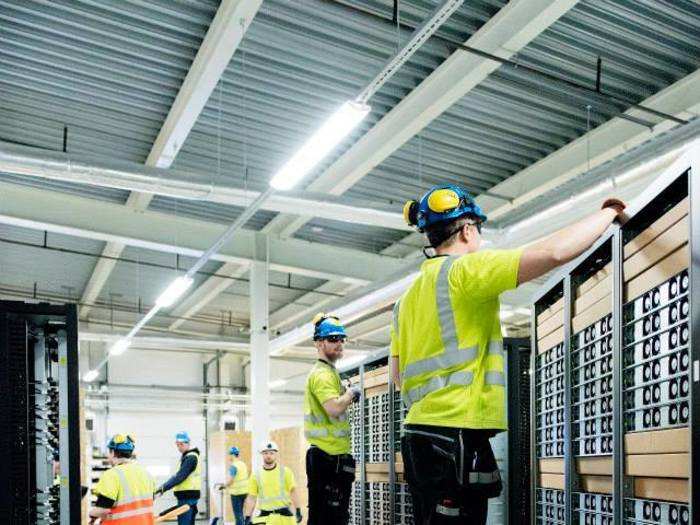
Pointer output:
x,y
269,445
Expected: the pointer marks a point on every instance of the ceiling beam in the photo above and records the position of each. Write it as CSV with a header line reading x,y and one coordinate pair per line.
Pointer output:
x,y
600,145
183,184
507,32
595,148
47,210
223,37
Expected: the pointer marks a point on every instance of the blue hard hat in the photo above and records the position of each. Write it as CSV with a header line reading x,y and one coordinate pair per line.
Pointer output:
x,y
234,451
327,326
182,437
122,442
441,203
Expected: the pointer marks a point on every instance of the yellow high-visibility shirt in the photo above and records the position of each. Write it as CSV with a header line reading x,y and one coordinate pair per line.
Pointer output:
x,y
447,336
272,487
330,434
131,488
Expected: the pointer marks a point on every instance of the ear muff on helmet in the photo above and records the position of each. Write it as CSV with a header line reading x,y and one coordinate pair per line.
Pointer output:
x,y
122,442
410,212
319,318
123,438
444,200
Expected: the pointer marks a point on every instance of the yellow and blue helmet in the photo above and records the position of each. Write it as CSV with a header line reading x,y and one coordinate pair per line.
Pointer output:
x,y
326,326
441,203
234,451
121,442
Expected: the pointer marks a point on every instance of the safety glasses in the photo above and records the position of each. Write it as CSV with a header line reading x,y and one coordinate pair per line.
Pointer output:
x,y
335,338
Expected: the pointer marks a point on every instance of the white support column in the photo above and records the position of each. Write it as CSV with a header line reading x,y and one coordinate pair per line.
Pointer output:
x,y
259,346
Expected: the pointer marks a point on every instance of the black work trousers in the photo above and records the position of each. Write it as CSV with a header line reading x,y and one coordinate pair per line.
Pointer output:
x,y
451,474
329,480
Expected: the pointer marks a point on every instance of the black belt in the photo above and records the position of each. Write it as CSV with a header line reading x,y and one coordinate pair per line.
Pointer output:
x,y
284,511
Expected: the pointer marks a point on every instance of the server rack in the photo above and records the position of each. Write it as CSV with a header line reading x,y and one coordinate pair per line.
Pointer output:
x,y
380,495
39,391
613,356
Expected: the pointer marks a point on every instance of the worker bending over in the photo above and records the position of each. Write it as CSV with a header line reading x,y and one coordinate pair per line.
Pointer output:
x,y
273,490
330,469
447,350
187,481
124,492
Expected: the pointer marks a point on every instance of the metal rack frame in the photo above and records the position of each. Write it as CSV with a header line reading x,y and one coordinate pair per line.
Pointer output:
x,y
69,396
686,166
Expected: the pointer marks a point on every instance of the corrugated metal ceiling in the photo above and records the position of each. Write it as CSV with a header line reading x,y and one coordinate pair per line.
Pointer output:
x,y
110,72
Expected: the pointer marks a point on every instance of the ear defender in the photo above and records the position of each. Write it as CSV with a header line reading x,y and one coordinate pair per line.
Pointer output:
x,y
441,201
410,213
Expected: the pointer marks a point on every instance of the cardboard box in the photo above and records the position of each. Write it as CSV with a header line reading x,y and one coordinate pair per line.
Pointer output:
x,y
551,481
596,312
381,371
376,468
657,274
381,477
658,465
664,244
673,440
597,484
551,466
597,466
376,380
558,306
550,325
600,291
594,280
377,390
662,489
551,340
663,223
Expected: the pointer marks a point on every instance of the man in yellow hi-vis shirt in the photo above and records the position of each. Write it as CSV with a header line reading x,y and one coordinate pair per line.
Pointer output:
x,y
447,350
238,485
273,490
330,469
124,492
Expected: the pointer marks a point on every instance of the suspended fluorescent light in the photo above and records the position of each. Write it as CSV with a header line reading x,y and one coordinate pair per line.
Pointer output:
x,y
277,383
172,292
90,376
327,137
120,347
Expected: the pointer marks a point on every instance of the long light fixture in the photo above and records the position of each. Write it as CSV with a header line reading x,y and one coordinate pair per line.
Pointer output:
x,y
90,376
174,291
321,143
120,346
314,150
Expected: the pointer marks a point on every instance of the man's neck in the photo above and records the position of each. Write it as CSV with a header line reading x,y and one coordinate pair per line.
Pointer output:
x,y
325,360
453,249
121,461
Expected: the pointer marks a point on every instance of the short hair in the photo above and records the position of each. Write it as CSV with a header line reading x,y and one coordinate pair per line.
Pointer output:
x,y
122,453
443,233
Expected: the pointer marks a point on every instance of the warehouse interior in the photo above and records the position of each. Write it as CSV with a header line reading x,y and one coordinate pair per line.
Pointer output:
x,y
139,142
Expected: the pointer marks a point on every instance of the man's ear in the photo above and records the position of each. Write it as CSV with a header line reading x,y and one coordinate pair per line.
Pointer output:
x,y
466,233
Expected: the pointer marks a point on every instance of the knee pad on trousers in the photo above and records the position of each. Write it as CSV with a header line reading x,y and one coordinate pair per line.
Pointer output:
x,y
446,512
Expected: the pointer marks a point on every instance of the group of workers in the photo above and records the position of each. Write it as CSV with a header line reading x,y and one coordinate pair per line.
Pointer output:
x,y
446,356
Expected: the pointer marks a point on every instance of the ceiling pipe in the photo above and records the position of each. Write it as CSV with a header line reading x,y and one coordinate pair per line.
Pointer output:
x,y
180,184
